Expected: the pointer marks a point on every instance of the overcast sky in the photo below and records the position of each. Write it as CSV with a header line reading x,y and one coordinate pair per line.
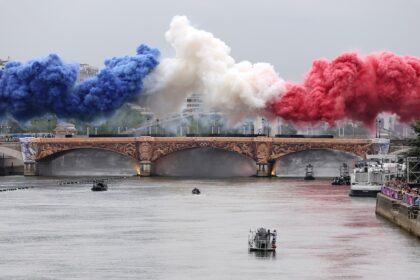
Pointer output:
x,y
289,34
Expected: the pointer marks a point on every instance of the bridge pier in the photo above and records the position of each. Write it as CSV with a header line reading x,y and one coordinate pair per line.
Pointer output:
x,y
264,169
145,168
29,168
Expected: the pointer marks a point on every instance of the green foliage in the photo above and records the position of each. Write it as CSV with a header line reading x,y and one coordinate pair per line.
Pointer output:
x,y
288,129
350,131
3,63
415,143
330,131
15,127
44,124
12,126
124,118
356,130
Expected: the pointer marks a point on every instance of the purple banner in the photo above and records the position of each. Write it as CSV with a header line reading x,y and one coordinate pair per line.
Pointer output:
x,y
390,192
408,198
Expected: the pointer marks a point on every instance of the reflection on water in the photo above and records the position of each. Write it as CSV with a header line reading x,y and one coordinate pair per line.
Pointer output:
x,y
155,228
263,255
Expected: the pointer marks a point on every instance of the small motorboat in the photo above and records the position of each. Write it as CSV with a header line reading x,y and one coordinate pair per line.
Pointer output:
x,y
195,191
344,178
262,240
340,181
99,186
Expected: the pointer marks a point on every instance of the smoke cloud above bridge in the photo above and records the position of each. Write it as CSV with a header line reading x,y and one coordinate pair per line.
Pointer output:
x,y
348,87
48,85
353,87
202,64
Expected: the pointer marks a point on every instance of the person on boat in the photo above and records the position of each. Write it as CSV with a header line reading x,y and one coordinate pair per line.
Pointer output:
x,y
273,241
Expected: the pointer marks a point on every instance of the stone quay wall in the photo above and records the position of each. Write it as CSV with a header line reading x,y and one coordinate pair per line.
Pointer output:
x,y
401,214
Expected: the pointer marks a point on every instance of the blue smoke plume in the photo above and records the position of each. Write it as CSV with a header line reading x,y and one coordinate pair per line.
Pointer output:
x,y
48,85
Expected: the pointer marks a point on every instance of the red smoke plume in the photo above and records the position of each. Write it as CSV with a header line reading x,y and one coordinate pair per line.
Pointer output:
x,y
351,87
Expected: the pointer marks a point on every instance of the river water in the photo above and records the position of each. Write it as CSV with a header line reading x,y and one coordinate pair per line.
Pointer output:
x,y
153,228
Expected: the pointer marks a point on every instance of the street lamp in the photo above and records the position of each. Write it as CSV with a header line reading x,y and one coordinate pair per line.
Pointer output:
x,y
378,128
263,125
149,122
49,124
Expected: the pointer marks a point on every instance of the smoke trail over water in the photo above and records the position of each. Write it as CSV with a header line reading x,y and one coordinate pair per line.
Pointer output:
x,y
48,85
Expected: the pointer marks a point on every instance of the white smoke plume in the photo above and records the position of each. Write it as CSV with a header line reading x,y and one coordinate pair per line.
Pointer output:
x,y
203,65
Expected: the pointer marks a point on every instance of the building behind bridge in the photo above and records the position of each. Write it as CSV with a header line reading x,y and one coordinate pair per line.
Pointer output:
x,y
86,71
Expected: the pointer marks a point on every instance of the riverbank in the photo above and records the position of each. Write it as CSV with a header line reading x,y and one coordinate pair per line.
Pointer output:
x,y
396,211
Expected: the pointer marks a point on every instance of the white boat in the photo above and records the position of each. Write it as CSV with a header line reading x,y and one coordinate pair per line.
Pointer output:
x,y
369,175
262,240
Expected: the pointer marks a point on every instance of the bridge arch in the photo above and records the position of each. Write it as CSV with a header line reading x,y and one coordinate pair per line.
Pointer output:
x,y
163,149
48,149
64,151
204,162
326,162
147,150
87,161
282,149
11,153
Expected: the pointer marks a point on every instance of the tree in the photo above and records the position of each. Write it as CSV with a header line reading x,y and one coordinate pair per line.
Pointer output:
x,y
125,117
415,143
288,129
3,63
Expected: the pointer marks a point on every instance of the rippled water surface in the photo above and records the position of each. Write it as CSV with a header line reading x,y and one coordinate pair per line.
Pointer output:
x,y
155,229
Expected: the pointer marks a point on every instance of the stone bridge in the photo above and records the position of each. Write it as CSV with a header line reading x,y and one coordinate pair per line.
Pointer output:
x,y
146,150
11,149
11,161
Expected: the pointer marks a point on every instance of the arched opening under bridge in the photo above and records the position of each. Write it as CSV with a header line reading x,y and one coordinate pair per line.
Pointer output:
x,y
87,162
325,162
204,163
